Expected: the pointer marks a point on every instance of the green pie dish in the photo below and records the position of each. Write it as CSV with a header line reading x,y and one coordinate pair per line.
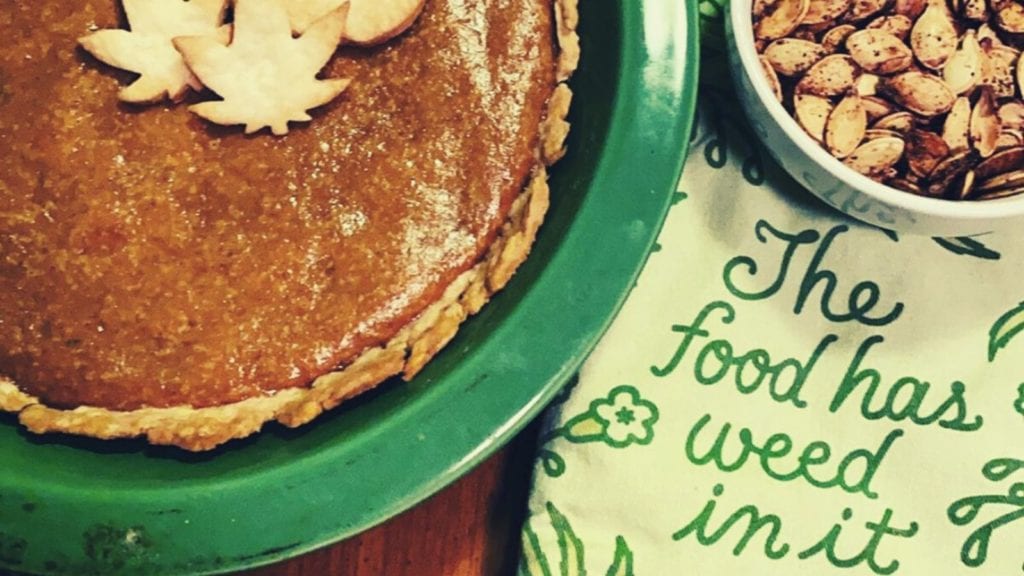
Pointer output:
x,y
76,506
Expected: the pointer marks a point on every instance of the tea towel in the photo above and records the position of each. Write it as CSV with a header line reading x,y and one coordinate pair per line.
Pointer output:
x,y
787,391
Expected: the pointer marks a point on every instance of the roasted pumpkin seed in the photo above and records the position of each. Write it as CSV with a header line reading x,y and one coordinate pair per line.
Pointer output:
x,y
864,9
999,194
825,11
876,157
988,36
976,10
804,33
832,40
867,85
879,52
760,7
1002,181
900,122
791,56
896,24
956,130
1009,160
984,124
773,79
1011,115
947,171
831,76
876,133
1011,18
780,18
965,185
963,70
1009,139
920,93
905,185
999,70
876,107
924,151
1020,74
910,8
933,36
845,127
812,113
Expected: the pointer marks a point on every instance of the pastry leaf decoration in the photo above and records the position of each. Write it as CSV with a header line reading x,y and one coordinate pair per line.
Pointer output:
x,y
265,77
370,22
147,48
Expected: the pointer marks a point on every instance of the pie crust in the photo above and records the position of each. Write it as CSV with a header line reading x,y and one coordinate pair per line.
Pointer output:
x,y
200,429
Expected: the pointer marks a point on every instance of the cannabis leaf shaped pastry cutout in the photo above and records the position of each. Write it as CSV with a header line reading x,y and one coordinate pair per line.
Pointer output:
x,y
303,13
369,21
266,77
147,48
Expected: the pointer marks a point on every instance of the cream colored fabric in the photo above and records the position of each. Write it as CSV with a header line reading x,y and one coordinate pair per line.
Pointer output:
x,y
879,440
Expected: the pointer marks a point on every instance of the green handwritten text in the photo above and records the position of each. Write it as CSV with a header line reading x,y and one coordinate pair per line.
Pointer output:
x,y
773,453
878,530
904,399
861,301
755,522
750,370
749,521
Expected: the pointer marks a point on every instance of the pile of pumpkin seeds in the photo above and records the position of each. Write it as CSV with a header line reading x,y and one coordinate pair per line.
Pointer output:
x,y
922,95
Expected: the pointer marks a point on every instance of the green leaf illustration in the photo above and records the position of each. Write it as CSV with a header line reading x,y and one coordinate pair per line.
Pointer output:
x,y
623,564
964,512
534,563
1004,330
965,246
892,234
571,547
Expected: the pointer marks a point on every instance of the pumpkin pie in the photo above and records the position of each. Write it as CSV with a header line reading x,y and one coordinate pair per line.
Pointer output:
x,y
161,276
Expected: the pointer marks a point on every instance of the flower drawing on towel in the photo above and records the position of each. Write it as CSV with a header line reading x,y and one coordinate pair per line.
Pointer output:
x,y
625,417
619,420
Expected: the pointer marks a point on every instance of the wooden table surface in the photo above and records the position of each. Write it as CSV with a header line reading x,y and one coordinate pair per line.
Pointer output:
x,y
469,529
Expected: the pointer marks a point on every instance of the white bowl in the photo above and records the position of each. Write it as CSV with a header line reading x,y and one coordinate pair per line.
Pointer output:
x,y
835,183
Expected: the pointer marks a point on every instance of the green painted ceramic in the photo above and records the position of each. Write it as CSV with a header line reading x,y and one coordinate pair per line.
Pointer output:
x,y
78,507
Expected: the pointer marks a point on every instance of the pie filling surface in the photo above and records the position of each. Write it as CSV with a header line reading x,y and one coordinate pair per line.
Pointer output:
x,y
148,259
